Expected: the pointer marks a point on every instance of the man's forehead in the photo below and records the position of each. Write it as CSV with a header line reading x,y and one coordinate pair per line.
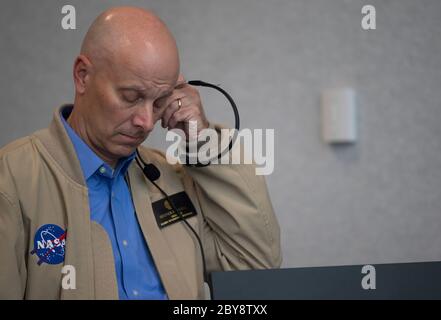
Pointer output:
x,y
137,80
148,89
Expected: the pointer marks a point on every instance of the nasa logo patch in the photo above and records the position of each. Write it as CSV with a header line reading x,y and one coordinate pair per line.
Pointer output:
x,y
49,244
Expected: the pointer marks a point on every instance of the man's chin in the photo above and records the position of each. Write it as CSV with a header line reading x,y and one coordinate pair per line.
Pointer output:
x,y
123,151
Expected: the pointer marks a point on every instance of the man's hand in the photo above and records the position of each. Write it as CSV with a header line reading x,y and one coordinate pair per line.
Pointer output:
x,y
178,115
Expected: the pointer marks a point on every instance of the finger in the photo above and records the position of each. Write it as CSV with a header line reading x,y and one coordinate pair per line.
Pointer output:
x,y
183,115
163,102
170,110
175,95
181,80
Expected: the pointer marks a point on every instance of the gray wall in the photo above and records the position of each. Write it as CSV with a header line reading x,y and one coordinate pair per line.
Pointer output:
x,y
376,201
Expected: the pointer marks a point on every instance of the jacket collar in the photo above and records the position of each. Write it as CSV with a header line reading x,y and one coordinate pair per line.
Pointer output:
x,y
57,142
89,161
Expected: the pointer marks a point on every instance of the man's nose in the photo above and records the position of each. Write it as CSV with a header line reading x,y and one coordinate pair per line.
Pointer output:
x,y
144,117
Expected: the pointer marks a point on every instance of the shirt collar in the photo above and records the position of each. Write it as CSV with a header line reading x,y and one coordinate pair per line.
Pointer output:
x,y
90,162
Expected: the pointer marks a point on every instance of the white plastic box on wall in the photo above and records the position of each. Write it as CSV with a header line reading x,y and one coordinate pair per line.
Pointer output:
x,y
338,110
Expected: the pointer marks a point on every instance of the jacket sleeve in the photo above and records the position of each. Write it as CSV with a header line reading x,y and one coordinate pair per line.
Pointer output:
x,y
12,265
239,229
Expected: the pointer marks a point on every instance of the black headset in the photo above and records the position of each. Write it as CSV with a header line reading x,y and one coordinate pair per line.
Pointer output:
x,y
152,173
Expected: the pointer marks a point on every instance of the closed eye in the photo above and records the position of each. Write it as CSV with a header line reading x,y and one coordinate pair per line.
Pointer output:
x,y
132,96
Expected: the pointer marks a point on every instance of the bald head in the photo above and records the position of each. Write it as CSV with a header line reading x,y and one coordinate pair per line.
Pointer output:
x,y
130,35
128,61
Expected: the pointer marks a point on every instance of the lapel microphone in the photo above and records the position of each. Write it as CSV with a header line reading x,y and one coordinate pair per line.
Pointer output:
x,y
150,170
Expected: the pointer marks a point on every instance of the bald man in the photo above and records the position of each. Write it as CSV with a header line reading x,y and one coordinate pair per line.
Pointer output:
x,y
79,219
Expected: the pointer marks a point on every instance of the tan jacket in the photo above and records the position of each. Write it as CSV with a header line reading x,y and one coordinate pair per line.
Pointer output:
x,y
41,182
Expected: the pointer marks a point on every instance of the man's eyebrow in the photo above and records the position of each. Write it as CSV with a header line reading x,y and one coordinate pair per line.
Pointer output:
x,y
136,88
139,88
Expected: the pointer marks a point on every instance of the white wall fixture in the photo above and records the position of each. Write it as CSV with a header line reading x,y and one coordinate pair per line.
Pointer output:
x,y
338,112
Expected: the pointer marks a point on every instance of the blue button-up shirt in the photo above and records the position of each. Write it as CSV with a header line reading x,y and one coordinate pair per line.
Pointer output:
x,y
111,206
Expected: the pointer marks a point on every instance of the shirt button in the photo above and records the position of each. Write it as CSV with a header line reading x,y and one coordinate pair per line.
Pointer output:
x,y
125,243
102,170
135,292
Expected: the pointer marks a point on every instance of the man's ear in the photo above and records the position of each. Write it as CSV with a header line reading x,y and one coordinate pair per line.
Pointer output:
x,y
81,72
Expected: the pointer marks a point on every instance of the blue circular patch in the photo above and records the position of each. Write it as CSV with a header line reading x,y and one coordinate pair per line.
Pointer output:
x,y
49,244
